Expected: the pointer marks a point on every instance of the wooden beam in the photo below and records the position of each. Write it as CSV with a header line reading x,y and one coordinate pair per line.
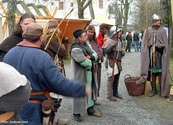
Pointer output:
x,y
2,6
1,32
39,17
35,8
55,11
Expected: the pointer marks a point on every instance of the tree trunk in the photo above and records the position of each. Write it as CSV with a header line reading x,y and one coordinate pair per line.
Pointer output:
x,y
170,30
80,13
126,10
11,15
91,11
81,7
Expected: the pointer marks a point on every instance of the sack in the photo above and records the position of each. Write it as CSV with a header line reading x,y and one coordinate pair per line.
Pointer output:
x,y
110,70
133,88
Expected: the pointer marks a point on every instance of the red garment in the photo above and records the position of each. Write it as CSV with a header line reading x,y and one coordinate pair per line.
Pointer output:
x,y
100,39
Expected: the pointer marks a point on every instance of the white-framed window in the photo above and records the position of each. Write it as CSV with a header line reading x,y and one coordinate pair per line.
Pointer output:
x,y
61,5
101,4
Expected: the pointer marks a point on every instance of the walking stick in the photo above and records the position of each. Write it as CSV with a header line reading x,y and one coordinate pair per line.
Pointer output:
x,y
146,38
116,38
57,29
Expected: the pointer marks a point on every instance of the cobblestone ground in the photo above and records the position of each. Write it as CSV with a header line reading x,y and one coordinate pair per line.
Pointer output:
x,y
121,112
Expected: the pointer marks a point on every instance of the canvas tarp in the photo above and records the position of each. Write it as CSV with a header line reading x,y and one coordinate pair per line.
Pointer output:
x,y
104,20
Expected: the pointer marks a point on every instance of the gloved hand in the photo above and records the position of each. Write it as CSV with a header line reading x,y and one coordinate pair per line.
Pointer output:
x,y
115,44
91,57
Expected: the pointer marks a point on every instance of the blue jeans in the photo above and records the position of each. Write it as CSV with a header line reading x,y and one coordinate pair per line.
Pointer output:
x,y
136,46
115,84
128,47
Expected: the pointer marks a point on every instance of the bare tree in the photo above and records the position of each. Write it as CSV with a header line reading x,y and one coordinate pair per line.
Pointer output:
x,y
11,15
82,5
91,11
125,13
139,13
113,9
167,21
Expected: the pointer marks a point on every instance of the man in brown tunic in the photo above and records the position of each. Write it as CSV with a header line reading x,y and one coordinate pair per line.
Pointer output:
x,y
155,58
95,46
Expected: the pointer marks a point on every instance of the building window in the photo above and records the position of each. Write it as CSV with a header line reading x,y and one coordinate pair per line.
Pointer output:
x,y
101,4
61,5
71,5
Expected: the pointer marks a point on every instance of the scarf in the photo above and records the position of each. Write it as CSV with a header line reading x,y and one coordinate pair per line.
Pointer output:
x,y
83,46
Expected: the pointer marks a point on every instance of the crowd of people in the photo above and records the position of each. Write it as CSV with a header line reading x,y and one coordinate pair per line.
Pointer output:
x,y
38,70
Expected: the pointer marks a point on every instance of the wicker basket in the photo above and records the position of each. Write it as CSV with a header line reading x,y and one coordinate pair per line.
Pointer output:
x,y
132,88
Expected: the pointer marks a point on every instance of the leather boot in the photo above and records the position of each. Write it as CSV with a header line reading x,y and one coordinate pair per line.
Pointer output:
x,y
77,117
92,112
154,91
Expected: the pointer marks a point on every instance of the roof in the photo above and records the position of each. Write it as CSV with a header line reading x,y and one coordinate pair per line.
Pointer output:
x,y
103,20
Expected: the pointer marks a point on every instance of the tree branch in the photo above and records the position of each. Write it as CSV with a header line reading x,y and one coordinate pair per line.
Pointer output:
x,y
82,3
87,4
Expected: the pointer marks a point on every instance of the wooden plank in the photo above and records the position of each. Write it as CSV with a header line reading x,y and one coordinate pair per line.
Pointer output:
x,y
1,32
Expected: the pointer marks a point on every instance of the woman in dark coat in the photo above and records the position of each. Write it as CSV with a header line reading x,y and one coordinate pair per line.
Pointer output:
x,y
16,37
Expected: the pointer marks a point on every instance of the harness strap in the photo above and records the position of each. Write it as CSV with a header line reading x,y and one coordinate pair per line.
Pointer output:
x,y
46,93
117,62
35,101
6,116
111,60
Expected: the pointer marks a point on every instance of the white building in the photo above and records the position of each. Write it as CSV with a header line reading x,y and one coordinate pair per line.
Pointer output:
x,y
64,6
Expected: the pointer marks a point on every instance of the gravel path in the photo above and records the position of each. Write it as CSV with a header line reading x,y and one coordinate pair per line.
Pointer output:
x,y
121,112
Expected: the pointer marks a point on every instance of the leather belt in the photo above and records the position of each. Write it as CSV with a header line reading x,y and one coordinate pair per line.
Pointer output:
x,y
35,101
6,116
46,93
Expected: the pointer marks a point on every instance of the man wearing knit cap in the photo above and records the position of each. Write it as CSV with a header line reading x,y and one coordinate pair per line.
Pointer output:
x,y
42,72
82,56
92,40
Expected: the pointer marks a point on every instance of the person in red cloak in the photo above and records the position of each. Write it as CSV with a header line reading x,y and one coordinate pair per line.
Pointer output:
x,y
100,39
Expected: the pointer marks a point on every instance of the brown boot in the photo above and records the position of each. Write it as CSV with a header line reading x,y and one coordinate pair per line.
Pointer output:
x,y
118,96
96,114
112,99
154,91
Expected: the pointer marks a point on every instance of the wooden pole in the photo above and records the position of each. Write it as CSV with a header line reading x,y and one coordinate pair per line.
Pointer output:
x,y
146,39
116,38
56,30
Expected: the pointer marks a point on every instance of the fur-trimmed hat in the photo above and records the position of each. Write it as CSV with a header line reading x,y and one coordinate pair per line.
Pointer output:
x,y
90,27
53,23
33,29
77,33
